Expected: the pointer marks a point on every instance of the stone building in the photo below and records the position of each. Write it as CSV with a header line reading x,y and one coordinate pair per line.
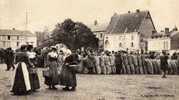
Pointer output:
x,y
164,40
136,27
15,38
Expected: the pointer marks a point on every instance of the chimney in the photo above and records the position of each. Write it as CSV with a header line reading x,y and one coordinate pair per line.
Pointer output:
x,y
137,10
166,30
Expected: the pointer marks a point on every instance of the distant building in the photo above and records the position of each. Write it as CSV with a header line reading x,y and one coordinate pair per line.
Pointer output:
x,y
15,38
136,27
165,40
99,31
127,41
159,43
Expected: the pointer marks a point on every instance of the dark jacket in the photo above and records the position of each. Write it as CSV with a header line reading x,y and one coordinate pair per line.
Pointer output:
x,y
68,74
164,62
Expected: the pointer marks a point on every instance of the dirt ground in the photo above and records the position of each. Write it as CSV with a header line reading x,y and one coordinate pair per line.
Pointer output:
x,y
101,87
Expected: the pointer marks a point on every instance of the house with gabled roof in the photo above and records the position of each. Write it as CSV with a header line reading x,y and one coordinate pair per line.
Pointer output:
x,y
129,31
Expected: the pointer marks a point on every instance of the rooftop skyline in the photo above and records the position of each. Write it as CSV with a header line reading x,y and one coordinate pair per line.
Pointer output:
x,y
47,13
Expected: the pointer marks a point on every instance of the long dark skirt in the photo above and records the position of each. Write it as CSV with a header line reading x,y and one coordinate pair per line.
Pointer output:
x,y
34,81
68,77
21,85
53,74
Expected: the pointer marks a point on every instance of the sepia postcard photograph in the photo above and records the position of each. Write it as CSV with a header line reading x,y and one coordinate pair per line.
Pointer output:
x,y
89,50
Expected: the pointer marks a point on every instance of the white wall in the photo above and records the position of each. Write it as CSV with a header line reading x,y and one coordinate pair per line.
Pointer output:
x,y
126,39
159,44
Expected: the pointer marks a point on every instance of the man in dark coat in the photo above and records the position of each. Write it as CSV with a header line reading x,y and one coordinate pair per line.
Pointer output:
x,y
118,63
9,59
164,63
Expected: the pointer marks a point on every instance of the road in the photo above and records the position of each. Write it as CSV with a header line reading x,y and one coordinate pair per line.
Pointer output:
x,y
101,87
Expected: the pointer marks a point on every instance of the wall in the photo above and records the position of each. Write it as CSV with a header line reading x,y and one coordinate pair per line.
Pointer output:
x,y
122,41
159,44
175,42
16,41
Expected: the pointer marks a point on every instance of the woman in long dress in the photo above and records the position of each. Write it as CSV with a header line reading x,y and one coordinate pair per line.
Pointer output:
x,y
35,84
52,64
21,84
68,74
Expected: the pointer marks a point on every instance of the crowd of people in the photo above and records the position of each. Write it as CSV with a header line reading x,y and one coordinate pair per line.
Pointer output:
x,y
60,69
123,62
61,65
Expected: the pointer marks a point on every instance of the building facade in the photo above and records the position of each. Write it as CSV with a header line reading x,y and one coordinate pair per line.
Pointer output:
x,y
166,40
127,41
99,30
100,35
159,43
15,38
129,31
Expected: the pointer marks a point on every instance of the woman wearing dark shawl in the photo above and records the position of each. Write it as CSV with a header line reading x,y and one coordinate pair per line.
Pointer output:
x,y
68,74
21,83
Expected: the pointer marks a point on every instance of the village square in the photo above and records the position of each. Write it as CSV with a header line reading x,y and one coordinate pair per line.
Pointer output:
x,y
89,50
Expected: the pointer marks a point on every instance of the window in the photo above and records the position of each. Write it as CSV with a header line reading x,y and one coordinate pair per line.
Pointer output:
x,y
17,37
101,35
8,44
132,44
107,44
120,44
124,37
17,44
165,44
8,37
3,37
132,37
4,44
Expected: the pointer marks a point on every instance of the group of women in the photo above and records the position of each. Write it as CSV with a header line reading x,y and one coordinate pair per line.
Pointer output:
x,y
25,77
60,70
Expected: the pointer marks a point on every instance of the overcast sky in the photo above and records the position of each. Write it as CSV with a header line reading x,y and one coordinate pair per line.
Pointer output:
x,y
46,13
